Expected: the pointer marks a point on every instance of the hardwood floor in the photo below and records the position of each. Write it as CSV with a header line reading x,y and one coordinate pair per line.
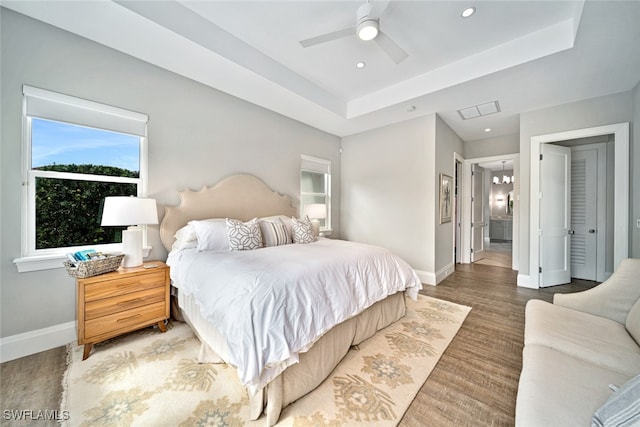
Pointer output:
x,y
476,380
474,383
497,254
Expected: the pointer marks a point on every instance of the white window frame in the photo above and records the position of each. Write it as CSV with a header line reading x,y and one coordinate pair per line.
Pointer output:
x,y
318,165
44,104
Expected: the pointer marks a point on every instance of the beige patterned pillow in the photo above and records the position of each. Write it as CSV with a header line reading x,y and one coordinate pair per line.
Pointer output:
x,y
244,236
274,233
303,231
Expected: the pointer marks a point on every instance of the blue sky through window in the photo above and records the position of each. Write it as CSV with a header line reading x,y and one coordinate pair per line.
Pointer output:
x,y
63,143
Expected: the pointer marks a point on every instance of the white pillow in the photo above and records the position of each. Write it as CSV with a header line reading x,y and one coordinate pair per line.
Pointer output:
x,y
244,236
185,238
303,231
274,232
211,235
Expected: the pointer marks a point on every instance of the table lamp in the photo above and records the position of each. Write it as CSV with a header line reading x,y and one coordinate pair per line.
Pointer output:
x,y
315,211
132,212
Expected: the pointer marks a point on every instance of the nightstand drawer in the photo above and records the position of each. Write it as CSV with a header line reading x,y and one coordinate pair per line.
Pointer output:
x,y
123,285
130,319
106,306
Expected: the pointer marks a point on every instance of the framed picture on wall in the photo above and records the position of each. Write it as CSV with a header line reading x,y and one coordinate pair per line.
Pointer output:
x,y
446,198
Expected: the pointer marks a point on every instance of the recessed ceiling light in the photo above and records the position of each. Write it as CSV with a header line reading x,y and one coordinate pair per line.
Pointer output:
x,y
360,64
411,108
487,130
468,12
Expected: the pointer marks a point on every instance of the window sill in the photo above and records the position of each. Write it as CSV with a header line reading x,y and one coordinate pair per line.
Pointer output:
x,y
48,262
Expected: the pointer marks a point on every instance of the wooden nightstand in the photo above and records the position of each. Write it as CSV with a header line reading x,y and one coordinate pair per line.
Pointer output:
x,y
127,299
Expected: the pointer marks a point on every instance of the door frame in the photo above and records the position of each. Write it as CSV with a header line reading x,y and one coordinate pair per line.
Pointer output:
x,y
620,197
466,205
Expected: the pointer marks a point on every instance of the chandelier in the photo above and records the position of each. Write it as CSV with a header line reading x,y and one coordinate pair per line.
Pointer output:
x,y
505,178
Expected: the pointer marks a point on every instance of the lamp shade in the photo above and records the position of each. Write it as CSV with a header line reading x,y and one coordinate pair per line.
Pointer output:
x,y
123,210
316,210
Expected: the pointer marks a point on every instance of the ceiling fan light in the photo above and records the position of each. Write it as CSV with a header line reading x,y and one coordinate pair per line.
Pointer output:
x,y
368,30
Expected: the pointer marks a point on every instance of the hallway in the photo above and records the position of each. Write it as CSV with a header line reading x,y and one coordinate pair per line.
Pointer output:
x,y
497,255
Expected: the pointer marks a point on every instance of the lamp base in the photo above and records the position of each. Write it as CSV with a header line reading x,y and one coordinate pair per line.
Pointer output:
x,y
132,247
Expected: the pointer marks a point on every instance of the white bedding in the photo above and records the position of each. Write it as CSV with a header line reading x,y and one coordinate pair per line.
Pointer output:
x,y
273,303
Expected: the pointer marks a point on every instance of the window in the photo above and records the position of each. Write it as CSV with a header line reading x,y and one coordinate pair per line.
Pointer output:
x,y
76,153
315,190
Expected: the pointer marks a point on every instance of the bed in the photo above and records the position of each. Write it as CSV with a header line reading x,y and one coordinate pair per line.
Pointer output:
x,y
284,315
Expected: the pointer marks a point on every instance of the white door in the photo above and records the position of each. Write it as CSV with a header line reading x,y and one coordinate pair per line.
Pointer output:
x,y
584,216
477,213
555,214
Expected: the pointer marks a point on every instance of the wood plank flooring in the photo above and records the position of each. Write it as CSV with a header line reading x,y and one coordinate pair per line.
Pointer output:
x,y
476,380
474,383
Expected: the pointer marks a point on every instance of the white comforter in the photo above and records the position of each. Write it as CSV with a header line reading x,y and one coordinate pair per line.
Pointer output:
x,y
272,303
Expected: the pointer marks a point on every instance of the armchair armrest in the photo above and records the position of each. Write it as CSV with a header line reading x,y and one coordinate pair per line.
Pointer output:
x,y
612,298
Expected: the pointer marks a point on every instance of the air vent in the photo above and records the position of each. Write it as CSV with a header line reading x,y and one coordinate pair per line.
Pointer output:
x,y
479,110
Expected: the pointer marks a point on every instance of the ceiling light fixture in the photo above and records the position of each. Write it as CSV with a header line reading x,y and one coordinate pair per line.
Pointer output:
x,y
505,178
411,109
487,130
368,29
468,12
361,64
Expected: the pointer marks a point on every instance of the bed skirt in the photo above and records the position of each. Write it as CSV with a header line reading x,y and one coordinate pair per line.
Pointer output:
x,y
314,366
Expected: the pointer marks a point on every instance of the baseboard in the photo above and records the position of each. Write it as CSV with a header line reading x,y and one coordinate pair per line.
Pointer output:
x,y
429,278
20,345
444,272
426,277
526,281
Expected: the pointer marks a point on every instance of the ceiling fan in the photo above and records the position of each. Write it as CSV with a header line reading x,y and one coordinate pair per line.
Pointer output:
x,y
367,28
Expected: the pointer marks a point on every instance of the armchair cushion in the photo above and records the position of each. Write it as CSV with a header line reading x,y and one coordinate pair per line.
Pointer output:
x,y
612,298
633,321
602,342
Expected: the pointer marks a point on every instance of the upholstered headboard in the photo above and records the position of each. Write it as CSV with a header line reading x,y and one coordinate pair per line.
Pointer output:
x,y
239,196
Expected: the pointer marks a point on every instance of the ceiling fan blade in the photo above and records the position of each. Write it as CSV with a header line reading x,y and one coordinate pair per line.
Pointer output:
x,y
328,37
391,48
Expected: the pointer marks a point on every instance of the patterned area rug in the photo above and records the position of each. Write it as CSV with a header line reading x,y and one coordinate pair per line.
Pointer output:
x,y
153,379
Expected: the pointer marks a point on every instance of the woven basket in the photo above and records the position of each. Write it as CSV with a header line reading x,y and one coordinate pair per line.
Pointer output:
x,y
83,269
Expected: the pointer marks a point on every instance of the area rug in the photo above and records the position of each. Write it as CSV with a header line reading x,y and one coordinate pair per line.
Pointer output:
x,y
153,379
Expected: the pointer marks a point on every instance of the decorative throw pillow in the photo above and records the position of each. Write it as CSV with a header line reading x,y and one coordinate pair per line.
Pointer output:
x,y
244,236
303,231
633,322
274,233
622,408
211,235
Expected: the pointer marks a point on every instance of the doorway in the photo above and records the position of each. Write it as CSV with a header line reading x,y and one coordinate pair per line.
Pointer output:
x,y
620,200
501,247
498,213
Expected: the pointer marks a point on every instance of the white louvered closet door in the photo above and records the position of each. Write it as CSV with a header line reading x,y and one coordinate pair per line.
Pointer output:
x,y
584,214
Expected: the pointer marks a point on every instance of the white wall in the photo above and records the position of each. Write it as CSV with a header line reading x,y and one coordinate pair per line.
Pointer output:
x,y
197,135
447,143
593,112
388,189
492,146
